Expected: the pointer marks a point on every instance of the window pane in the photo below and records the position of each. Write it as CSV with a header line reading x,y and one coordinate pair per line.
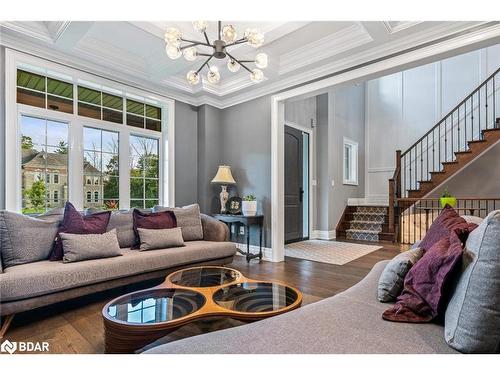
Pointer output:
x,y
112,116
153,125
136,203
88,110
153,112
135,107
44,168
144,182
112,101
87,95
59,104
59,88
91,139
32,98
30,80
135,121
101,180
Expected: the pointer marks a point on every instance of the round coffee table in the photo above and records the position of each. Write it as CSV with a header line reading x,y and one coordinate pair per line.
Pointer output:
x,y
136,319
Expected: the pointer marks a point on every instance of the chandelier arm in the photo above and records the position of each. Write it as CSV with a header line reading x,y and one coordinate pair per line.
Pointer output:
x,y
197,42
239,41
206,37
238,61
204,54
205,63
190,45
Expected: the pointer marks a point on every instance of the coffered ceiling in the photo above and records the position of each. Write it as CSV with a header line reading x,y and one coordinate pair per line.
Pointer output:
x,y
134,52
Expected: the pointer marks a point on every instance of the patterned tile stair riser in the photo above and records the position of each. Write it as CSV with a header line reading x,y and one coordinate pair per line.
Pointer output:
x,y
367,223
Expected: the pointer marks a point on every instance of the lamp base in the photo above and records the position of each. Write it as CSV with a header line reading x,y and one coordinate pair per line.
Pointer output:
x,y
224,195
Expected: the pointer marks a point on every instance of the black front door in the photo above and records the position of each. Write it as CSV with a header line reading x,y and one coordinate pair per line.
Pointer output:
x,y
294,189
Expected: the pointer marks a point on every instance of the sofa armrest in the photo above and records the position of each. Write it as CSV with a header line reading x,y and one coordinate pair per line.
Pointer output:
x,y
213,229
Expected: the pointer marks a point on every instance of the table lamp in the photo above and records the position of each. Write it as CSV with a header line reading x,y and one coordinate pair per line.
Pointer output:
x,y
224,178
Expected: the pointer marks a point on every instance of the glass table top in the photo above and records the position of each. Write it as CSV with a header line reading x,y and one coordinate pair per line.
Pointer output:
x,y
204,277
155,306
255,297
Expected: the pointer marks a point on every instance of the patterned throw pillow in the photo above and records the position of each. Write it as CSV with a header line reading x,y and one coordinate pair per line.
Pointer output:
x,y
152,239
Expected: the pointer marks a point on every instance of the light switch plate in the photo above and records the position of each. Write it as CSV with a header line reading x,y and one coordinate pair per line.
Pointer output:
x,y
242,230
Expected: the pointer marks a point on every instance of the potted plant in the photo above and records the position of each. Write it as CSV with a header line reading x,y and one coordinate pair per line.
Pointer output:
x,y
447,198
249,205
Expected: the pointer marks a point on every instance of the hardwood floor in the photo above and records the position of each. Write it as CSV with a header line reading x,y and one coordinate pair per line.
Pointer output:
x,y
76,326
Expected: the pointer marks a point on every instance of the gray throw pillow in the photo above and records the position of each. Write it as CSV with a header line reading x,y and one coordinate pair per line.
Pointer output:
x,y
25,239
160,238
188,218
123,222
78,247
391,282
472,219
472,318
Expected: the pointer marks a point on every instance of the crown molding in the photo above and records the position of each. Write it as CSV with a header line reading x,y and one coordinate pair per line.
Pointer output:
x,y
57,28
331,45
402,25
223,95
30,29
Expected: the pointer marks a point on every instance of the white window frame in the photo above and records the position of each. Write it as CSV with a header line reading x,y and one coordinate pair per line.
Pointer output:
x,y
14,111
353,167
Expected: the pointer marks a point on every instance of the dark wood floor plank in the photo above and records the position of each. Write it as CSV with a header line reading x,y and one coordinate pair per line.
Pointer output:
x,y
76,326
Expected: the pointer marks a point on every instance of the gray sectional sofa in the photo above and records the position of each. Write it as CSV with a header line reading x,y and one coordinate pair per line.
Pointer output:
x,y
27,286
349,322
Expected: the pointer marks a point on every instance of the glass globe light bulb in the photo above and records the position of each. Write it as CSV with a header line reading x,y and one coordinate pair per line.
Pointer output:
x,y
173,51
190,54
172,35
200,26
229,33
213,75
254,37
193,77
257,75
261,61
233,66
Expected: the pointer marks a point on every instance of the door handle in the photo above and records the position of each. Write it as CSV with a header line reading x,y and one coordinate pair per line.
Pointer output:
x,y
301,194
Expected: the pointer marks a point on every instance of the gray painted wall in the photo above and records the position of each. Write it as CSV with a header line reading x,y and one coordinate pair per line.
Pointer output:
x,y
186,154
209,157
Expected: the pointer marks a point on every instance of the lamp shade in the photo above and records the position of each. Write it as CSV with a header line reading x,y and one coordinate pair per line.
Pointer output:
x,y
223,176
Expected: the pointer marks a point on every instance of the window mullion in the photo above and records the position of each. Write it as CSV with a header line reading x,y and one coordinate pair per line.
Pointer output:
x,y
123,169
75,163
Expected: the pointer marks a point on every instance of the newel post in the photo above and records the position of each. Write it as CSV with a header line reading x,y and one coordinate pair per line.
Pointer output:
x,y
394,191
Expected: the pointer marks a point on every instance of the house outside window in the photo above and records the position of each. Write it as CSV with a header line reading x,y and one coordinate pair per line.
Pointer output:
x,y
350,162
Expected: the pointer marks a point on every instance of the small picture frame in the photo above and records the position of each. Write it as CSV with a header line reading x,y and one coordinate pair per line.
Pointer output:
x,y
233,205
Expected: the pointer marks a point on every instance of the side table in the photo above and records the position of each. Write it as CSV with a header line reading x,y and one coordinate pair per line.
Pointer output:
x,y
247,222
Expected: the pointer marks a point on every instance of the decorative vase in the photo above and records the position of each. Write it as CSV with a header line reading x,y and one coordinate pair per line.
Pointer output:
x,y
249,208
224,195
452,201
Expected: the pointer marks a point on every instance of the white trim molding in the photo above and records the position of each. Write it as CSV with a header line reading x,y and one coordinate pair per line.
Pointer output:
x,y
323,234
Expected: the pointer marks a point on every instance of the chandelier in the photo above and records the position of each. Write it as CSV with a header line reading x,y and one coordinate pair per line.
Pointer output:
x,y
227,37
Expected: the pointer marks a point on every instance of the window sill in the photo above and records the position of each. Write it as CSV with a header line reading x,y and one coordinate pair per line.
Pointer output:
x,y
351,183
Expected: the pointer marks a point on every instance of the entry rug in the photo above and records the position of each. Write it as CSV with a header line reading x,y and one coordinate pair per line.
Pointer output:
x,y
333,252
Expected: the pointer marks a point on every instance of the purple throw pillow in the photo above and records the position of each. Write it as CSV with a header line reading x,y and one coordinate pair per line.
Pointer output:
x,y
426,286
152,220
441,227
76,223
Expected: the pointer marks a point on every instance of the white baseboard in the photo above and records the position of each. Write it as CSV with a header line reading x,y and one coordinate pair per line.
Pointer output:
x,y
323,235
267,252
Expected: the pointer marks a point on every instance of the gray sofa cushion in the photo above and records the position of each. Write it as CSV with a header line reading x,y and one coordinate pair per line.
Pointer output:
x,y
472,319
45,277
24,239
349,322
152,239
391,281
78,247
188,218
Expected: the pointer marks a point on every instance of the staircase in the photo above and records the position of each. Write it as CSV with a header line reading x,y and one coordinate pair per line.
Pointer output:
x,y
465,133
364,223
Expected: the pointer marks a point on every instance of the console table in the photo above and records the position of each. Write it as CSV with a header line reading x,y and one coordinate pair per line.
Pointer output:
x,y
247,222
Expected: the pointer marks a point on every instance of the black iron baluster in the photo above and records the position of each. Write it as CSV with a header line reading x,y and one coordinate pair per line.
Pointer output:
x,y
479,109
421,161
486,104
433,152
427,158
494,112
465,126
439,145
445,142
452,146
472,114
